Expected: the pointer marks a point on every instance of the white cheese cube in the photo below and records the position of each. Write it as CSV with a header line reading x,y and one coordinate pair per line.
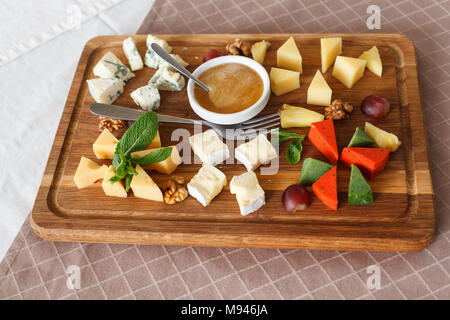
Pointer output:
x,y
132,54
209,147
207,184
151,58
168,80
249,194
256,152
147,97
105,90
110,66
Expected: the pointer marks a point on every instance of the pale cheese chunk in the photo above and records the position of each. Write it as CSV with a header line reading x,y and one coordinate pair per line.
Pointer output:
x,y
105,90
288,56
166,166
256,152
147,97
105,145
249,194
177,59
156,143
292,117
209,147
348,70
110,66
113,189
373,59
259,50
319,92
151,57
283,81
330,48
144,187
88,172
382,138
207,184
132,54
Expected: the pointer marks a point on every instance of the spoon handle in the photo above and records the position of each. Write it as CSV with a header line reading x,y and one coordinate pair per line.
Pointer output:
x,y
170,60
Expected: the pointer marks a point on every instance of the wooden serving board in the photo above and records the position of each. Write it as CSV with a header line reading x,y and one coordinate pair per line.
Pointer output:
x,y
400,219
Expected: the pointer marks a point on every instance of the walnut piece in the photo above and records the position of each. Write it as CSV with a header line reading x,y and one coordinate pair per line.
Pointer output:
x,y
110,124
174,190
239,47
338,110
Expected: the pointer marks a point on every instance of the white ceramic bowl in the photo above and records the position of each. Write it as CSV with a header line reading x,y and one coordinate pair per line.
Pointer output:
x,y
237,117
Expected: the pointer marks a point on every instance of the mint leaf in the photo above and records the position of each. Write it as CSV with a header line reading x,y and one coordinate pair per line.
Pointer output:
x,y
284,135
154,156
139,135
128,182
294,151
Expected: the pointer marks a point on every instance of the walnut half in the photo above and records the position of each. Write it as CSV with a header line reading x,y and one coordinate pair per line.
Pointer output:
x,y
239,47
174,190
338,110
110,124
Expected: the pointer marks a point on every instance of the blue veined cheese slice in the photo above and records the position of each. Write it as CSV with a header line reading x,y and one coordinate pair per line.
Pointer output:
x,y
256,152
177,59
151,58
209,147
207,184
105,90
249,194
167,80
110,66
132,54
147,97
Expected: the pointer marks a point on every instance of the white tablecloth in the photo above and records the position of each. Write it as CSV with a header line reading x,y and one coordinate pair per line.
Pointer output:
x,y
40,44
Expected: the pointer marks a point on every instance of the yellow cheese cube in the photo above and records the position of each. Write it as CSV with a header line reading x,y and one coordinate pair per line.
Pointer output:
x,y
373,59
288,56
283,81
298,117
319,93
88,172
348,70
156,143
383,139
105,145
330,48
167,166
259,50
115,189
144,187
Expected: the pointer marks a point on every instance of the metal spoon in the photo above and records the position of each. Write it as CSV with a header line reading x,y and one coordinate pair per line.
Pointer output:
x,y
168,58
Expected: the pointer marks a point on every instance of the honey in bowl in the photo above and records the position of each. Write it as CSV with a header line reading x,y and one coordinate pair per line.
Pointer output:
x,y
233,87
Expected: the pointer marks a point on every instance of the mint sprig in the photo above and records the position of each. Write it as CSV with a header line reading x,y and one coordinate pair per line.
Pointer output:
x,y
137,138
295,149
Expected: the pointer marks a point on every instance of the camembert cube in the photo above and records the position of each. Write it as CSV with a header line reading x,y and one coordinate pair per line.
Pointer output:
x,y
105,145
209,147
330,48
256,152
249,194
348,70
105,90
110,66
288,56
88,172
166,166
319,92
283,81
373,59
115,189
144,187
207,184
292,117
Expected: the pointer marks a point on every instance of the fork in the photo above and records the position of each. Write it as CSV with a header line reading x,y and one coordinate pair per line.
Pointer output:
x,y
242,131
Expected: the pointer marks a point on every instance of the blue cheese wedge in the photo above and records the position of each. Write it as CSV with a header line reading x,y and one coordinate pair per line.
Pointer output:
x,y
132,54
167,80
256,152
105,90
209,147
151,58
207,184
249,194
177,59
147,97
110,66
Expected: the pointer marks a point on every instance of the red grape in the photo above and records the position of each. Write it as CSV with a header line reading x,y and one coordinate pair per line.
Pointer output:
x,y
296,197
375,106
211,54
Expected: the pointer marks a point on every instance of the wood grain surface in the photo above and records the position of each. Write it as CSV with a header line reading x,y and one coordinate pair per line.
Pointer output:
x,y
400,219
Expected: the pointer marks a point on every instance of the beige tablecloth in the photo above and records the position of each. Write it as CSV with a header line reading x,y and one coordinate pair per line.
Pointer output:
x,y
36,269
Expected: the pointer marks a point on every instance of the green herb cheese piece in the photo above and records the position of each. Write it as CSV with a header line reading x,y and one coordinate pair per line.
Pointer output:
x,y
312,170
360,139
359,191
